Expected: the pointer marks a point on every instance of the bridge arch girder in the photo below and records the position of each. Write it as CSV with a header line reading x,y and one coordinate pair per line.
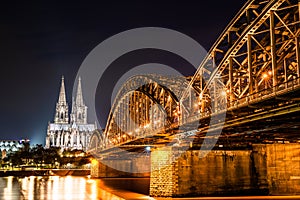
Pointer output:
x,y
144,103
96,141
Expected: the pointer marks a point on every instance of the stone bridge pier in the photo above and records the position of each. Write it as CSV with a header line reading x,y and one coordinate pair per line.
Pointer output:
x,y
178,173
266,169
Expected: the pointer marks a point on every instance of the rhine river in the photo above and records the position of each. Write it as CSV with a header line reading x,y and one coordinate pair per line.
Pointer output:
x,y
83,188
72,188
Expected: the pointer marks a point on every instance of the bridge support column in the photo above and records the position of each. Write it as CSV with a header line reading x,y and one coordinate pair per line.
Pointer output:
x,y
273,50
95,168
231,89
298,57
193,174
250,70
163,180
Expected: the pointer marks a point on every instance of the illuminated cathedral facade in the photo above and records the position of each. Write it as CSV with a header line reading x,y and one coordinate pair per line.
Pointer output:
x,y
70,131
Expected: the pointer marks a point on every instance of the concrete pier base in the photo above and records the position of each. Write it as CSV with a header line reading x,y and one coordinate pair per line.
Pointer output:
x,y
268,169
190,175
278,165
163,179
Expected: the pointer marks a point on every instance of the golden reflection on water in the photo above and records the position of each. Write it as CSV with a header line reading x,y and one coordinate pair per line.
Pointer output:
x,y
53,187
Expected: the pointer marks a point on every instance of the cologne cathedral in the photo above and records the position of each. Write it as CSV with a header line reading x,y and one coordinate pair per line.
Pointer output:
x,y
72,132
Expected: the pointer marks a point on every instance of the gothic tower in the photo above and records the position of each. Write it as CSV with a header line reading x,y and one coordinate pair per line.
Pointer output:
x,y
79,110
73,134
61,114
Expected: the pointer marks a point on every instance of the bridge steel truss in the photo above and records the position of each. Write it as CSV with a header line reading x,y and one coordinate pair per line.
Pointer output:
x,y
145,105
257,57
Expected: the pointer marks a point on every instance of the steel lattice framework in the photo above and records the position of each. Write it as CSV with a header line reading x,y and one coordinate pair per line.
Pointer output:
x,y
256,58
257,55
145,104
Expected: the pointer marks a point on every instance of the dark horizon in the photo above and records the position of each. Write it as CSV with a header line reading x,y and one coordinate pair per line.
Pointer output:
x,y
40,42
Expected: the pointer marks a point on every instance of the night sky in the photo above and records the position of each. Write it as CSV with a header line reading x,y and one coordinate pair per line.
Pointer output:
x,y
41,41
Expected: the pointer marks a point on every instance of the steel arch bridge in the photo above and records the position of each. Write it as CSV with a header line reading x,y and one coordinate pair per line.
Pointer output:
x,y
254,63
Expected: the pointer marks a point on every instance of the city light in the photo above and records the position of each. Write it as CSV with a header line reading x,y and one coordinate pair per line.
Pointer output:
x,y
148,148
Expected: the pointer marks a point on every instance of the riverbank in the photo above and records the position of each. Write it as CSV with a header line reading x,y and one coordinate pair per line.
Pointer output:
x,y
45,172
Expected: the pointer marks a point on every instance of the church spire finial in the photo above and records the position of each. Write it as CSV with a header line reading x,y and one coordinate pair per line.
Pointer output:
x,y
61,115
79,98
79,110
62,93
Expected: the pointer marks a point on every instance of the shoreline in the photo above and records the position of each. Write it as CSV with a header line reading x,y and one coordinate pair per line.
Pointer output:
x,y
45,172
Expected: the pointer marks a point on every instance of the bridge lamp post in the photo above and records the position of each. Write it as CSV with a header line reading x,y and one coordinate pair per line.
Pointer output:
x,y
147,126
266,77
223,93
196,107
179,112
137,130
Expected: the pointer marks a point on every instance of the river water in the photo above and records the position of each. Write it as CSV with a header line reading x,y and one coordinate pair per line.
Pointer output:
x,y
72,188
83,188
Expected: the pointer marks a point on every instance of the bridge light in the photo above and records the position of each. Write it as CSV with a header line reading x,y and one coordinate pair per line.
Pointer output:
x,y
94,162
169,98
148,148
130,133
265,76
270,73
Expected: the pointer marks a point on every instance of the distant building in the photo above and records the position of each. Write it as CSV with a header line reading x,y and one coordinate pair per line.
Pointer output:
x,y
10,146
74,132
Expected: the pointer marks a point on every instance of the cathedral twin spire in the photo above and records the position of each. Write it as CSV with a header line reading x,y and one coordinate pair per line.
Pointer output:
x,y
62,111
79,110
62,93
79,97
